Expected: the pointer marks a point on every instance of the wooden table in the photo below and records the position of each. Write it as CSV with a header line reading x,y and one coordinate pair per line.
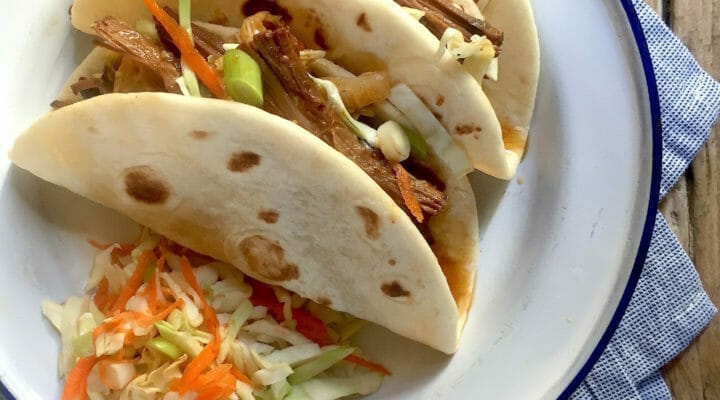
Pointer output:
x,y
693,207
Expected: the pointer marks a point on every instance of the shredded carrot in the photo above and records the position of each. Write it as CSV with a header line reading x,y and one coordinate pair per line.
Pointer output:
x,y
210,352
133,283
133,317
367,364
208,312
216,384
407,194
152,288
76,383
190,55
103,300
197,366
241,377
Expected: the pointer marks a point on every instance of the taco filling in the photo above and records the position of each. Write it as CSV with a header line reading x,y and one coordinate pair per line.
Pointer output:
x,y
350,113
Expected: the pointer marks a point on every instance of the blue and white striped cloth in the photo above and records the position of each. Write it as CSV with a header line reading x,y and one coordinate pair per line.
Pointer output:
x,y
669,307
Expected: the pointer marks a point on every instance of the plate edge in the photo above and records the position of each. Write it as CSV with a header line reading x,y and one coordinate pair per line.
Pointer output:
x,y
654,199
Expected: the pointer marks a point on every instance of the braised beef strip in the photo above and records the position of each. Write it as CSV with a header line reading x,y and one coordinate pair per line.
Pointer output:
x,y
120,36
278,51
443,14
207,43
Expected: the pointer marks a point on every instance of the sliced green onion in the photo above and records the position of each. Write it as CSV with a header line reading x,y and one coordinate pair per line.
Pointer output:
x,y
188,74
83,345
184,14
418,145
165,347
243,79
324,361
190,80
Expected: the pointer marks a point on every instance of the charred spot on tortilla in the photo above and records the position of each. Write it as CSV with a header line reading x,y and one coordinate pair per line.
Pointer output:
x,y
92,129
437,115
371,220
144,185
363,23
394,289
269,216
267,259
319,37
324,301
252,7
467,129
440,100
392,262
199,134
243,161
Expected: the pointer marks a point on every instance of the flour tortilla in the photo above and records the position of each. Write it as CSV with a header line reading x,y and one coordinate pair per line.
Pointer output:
x,y
513,95
362,36
206,173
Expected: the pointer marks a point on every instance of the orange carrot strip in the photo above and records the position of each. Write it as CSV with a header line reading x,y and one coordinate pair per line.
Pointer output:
x,y
187,49
367,364
102,298
216,384
133,283
197,366
241,377
152,287
407,194
210,352
76,383
208,312
130,317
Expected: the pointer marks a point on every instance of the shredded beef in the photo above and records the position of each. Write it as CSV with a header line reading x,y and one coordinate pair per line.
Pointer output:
x,y
121,37
207,43
277,51
442,14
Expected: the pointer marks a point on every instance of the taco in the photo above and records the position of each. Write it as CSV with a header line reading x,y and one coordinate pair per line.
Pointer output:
x,y
373,35
504,30
371,218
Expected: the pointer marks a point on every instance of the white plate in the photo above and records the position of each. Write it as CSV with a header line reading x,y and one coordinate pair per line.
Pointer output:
x,y
560,252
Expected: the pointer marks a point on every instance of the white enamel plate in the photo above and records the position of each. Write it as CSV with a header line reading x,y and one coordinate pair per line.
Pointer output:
x,y
561,246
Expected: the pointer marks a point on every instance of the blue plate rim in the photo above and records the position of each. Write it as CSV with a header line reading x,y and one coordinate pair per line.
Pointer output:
x,y
648,228
653,201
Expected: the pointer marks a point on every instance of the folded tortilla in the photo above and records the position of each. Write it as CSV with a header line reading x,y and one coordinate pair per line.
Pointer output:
x,y
257,191
369,35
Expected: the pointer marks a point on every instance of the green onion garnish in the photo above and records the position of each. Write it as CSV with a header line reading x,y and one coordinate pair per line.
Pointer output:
x,y
243,78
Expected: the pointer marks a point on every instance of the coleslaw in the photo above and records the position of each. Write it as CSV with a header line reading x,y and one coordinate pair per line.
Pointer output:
x,y
159,321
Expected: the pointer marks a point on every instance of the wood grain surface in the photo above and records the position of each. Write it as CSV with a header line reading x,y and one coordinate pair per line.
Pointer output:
x,y
692,208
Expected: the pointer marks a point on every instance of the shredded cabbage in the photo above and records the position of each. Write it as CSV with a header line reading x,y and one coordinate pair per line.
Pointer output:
x,y
363,131
142,349
273,329
430,128
330,388
478,54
